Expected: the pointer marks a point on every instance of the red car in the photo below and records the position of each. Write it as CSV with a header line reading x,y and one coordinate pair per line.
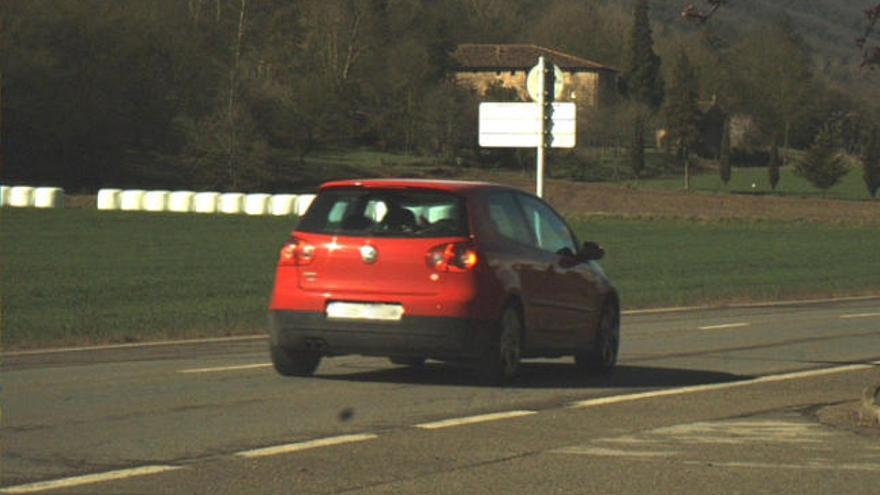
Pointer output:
x,y
449,270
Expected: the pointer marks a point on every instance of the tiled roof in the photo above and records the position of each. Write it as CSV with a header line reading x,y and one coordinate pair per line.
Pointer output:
x,y
477,57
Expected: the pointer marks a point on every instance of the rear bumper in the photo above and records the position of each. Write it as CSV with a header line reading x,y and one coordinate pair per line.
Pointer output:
x,y
432,337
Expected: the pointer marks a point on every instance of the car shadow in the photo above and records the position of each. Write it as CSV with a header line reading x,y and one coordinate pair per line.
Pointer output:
x,y
543,375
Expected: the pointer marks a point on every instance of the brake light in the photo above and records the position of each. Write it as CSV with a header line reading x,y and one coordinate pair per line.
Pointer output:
x,y
296,252
452,257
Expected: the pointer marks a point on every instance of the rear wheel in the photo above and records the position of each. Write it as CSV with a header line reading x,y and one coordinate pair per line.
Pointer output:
x,y
289,362
602,355
500,360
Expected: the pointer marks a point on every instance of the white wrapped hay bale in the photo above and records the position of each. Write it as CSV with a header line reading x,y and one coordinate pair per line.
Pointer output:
x,y
256,204
131,200
303,201
206,202
156,200
21,196
282,204
108,199
231,203
48,197
181,201
4,195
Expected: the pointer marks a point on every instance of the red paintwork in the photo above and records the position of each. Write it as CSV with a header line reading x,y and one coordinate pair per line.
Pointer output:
x,y
400,275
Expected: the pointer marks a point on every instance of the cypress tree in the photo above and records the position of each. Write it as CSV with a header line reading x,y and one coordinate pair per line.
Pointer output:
x,y
871,162
821,165
773,166
642,80
724,169
637,147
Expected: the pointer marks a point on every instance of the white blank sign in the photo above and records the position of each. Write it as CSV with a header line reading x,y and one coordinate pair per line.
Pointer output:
x,y
518,125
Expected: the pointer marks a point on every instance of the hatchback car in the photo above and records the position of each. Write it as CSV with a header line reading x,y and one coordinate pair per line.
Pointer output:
x,y
458,271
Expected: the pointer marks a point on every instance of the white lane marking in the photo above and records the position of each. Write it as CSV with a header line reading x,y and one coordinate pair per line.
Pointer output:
x,y
604,452
310,444
865,467
617,399
860,315
724,326
130,345
87,479
482,418
769,304
226,368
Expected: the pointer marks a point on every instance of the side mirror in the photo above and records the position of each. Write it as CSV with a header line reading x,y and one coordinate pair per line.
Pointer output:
x,y
591,251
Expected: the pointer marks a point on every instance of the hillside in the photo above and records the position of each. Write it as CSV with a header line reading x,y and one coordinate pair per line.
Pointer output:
x,y
830,26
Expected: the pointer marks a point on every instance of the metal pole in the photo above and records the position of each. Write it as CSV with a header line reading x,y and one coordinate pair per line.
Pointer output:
x,y
539,173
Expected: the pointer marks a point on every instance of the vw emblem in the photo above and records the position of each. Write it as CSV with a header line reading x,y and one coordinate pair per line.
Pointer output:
x,y
369,254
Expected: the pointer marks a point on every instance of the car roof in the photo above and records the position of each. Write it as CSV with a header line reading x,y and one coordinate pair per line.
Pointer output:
x,y
459,186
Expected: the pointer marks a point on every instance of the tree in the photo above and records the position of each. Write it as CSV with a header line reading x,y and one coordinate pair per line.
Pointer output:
x,y
822,165
724,168
773,166
871,161
773,79
682,110
637,147
642,79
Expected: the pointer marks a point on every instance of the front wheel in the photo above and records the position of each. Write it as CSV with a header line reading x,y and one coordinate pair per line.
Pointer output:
x,y
602,355
289,362
500,360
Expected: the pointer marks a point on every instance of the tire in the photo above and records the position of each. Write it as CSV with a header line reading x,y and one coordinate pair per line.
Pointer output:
x,y
602,354
413,362
294,363
501,358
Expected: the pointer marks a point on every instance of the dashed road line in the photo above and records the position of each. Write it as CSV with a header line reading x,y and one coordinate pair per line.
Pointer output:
x,y
482,418
860,315
307,445
40,486
725,326
226,368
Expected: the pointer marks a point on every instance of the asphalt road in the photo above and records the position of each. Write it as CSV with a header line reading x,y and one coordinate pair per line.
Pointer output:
x,y
703,401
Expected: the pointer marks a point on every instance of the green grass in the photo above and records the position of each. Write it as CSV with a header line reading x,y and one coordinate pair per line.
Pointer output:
x,y
850,187
662,263
79,276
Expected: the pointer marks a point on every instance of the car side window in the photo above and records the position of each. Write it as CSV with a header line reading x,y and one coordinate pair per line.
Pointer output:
x,y
507,218
551,232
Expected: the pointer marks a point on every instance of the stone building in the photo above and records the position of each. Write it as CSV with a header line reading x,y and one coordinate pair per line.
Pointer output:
x,y
483,66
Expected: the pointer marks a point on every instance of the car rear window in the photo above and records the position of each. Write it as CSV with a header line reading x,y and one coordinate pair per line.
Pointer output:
x,y
386,212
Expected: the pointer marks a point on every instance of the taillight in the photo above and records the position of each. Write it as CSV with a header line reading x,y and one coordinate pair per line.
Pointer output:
x,y
296,252
452,257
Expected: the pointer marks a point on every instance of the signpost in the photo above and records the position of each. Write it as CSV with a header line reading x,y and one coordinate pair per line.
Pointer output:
x,y
538,125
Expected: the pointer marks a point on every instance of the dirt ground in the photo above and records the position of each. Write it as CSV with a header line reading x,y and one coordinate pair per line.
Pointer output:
x,y
575,198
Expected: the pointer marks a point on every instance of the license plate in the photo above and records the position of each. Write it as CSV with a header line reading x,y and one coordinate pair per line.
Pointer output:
x,y
364,311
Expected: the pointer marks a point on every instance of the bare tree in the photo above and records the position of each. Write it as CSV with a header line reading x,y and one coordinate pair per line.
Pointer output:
x,y
690,12
232,142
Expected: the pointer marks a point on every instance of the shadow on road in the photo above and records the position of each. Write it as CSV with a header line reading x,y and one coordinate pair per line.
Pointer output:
x,y
543,375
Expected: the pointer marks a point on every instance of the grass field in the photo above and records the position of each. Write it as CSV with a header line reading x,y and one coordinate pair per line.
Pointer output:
x,y
850,187
673,263
79,276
